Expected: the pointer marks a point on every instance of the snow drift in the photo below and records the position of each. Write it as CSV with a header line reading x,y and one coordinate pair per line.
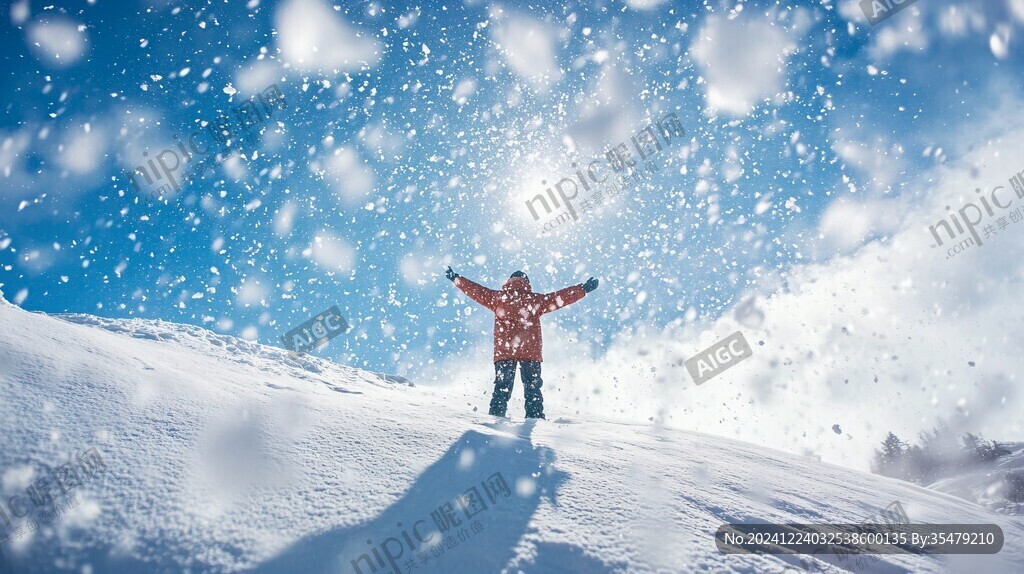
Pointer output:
x,y
989,484
223,456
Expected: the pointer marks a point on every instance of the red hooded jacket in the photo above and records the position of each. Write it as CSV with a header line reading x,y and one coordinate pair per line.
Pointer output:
x,y
517,310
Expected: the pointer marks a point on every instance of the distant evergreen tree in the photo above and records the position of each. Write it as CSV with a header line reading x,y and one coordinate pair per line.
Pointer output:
x,y
1015,484
978,450
940,451
918,466
890,460
974,447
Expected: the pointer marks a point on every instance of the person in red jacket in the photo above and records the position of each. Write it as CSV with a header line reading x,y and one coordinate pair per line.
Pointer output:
x,y
517,337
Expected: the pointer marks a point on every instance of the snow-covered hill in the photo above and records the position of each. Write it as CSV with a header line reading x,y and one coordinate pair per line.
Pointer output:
x,y
987,483
224,455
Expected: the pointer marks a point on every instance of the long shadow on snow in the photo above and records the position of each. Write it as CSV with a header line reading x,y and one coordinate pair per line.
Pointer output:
x,y
365,549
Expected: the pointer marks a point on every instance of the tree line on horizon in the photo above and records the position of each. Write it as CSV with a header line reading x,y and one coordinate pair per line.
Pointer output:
x,y
939,453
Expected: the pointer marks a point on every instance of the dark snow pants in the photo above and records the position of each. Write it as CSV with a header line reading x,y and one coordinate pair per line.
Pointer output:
x,y
505,375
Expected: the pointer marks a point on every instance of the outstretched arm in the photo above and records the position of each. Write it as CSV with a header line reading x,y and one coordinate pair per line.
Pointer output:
x,y
555,301
474,291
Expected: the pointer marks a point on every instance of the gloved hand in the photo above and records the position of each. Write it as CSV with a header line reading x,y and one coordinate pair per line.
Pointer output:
x,y
451,275
590,285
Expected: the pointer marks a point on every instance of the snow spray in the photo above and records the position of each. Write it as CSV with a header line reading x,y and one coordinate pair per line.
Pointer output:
x,y
718,357
249,117
619,158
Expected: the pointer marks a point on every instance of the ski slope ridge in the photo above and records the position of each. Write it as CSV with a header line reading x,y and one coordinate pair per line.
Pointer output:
x,y
986,483
222,455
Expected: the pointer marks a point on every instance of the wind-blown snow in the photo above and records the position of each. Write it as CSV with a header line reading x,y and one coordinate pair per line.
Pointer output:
x,y
314,37
332,252
58,42
743,61
225,455
529,49
987,483
352,180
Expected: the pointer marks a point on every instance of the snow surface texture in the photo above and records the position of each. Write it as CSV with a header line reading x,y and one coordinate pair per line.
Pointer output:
x,y
224,455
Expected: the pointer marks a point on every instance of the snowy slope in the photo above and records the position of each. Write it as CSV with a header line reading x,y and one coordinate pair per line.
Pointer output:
x,y
986,484
224,455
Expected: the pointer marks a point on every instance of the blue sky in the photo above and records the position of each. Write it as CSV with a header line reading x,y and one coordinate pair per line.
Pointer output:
x,y
412,137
